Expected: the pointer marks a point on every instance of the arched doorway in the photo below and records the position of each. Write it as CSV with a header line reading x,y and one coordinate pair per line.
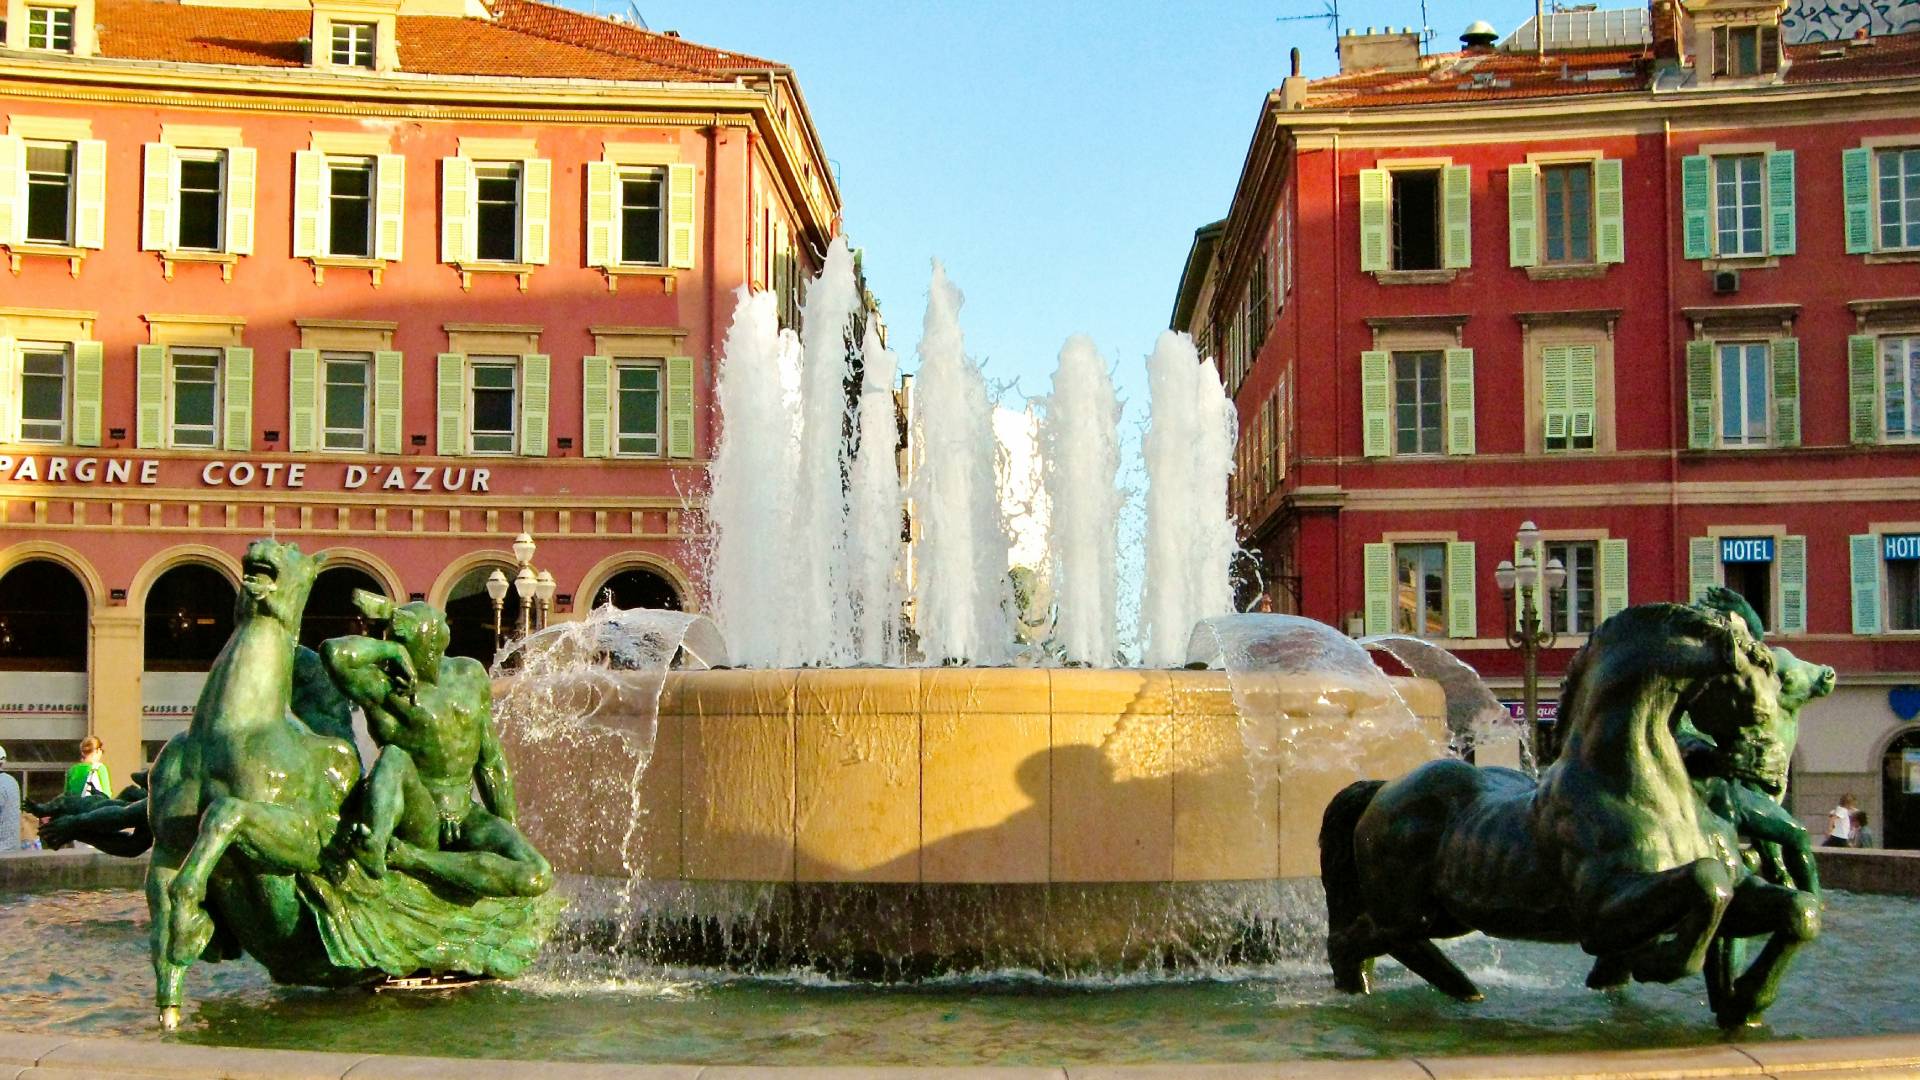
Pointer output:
x,y
1900,791
189,618
43,618
638,587
330,612
43,673
470,613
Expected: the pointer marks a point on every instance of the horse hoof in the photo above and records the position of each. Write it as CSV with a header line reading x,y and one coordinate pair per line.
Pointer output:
x,y
170,1018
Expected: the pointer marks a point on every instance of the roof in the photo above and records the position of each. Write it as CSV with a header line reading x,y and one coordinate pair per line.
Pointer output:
x,y
1891,56
525,39
1193,274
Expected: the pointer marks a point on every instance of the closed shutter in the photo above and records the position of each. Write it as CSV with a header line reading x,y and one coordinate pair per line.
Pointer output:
x,y
1459,401
596,406
536,213
158,210
1554,390
388,372
241,162
601,215
680,406
1609,211
536,373
1863,390
1856,182
1376,403
150,388
1793,585
1378,568
1786,391
1456,207
1373,220
303,400
1700,394
1461,611
450,404
90,194
236,376
390,206
1582,395
1864,551
13,211
1523,215
1695,207
1613,577
88,362
1703,566
309,200
680,234
1780,197
9,392
456,214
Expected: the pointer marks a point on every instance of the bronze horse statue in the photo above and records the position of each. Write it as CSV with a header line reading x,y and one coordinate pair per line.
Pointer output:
x,y
1612,849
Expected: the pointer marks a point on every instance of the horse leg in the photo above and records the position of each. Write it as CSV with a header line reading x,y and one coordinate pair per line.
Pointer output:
x,y
1350,952
1610,972
1686,902
1792,918
168,976
1724,955
274,838
1424,958
1777,832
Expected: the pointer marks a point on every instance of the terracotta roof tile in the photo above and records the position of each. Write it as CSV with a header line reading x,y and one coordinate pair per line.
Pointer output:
x,y
1485,76
1889,57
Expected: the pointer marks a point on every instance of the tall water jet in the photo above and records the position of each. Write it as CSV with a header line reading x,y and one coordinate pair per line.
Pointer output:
x,y
1080,438
1190,538
960,551
821,619
873,547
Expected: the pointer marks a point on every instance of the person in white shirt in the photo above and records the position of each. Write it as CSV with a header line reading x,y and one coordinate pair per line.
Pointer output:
x,y
9,808
1840,823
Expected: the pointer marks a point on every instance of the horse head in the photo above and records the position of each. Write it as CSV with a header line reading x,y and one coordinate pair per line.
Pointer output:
x,y
275,579
418,627
1742,697
1657,661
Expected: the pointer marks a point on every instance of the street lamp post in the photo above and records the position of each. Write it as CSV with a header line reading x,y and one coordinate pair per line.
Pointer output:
x,y
497,592
1520,586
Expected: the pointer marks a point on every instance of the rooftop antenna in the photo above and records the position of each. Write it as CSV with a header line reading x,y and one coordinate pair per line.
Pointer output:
x,y
1329,15
634,16
1426,29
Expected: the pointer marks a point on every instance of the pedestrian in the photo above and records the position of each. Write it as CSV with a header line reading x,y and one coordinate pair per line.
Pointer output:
x,y
9,808
89,777
1840,823
1863,832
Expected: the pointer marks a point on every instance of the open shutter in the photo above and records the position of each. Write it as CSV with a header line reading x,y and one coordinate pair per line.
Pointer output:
x,y
1703,566
1379,574
536,373
1459,401
456,217
90,194
1856,181
1461,613
1863,390
1786,391
1609,211
309,197
1780,226
151,391
1695,207
9,401
241,167
1555,361
157,207
596,406
13,210
88,362
387,372
680,234
236,376
536,215
1523,215
390,206
1700,394
1613,577
450,404
1373,220
1376,403
1456,208
1793,586
1582,396
680,406
1864,550
600,213
303,399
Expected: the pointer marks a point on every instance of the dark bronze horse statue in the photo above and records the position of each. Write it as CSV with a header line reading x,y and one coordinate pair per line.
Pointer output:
x,y
1612,849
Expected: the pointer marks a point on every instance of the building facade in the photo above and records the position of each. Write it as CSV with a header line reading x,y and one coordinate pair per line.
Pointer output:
x,y
1657,291
399,279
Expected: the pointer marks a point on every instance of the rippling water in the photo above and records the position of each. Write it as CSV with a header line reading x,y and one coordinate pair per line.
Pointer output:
x,y
75,962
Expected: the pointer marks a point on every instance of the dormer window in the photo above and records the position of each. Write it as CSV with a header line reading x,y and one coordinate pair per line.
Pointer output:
x,y
353,44
50,28
1745,51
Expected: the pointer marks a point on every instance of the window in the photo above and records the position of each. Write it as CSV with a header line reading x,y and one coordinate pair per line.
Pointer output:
x,y
1900,387
1739,211
353,44
1740,50
1416,219
43,393
350,206
1569,377
1574,605
637,419
493,382
1567,210
50,28
50,192
1419,402
1899,199
1902,554
346,377
1420,590
200,181
1754,580
1745,374
643,213
497,211
194,398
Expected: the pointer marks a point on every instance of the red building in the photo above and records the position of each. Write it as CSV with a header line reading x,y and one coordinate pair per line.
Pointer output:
x,y
400,279
1656,289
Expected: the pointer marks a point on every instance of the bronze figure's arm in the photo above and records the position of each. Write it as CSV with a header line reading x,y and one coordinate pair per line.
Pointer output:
x,y
370,671
490,771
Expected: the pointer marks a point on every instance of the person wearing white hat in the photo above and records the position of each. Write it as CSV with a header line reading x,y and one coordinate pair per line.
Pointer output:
x,y
9,808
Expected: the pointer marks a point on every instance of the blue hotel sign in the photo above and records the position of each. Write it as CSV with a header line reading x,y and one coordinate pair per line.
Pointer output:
x,y
1746,549
1901,547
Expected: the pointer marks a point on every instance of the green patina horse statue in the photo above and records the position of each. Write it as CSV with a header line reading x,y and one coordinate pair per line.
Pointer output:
x,y
1613,849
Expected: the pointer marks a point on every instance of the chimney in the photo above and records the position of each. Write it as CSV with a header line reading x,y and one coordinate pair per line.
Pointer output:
x,y
1479,37
1388,50
1293,89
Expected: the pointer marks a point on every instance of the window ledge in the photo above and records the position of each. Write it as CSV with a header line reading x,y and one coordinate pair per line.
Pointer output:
x,y
322,263
1416,277
1740,262
17,254
1874,257
1567,271
224,259
524,271
669,276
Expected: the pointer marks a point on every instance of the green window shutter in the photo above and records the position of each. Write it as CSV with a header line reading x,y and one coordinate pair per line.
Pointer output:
x,y
680,406
1700,394
536,372
1793,586
1864,551
450,406
90,194
157,206
1555,391
1863,389
1856,182
1462,621
1376,402
151,390
9,392
1780,197
241,166
536,212
1703,566
390,206
388,370
303,399
1373,220
1379,574
309,197
236,377
13,163
601,216
1786,391
1459,401
1695,207
1613,578
88,362
1582,395
456,215
1456,207
680,234
1609,211
1523,215
596,406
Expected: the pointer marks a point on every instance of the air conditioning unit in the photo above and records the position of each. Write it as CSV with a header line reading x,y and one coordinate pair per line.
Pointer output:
x,y
1726,281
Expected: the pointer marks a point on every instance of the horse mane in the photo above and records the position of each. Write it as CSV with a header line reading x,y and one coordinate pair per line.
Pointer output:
x,y
1645,639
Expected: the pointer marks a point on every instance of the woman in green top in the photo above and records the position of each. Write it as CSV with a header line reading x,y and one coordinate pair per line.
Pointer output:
x,y
89,777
